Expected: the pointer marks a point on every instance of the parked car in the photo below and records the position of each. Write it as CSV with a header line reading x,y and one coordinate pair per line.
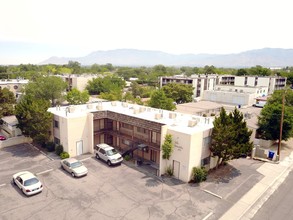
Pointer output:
x,y
27,182
74,167
108,154
2,138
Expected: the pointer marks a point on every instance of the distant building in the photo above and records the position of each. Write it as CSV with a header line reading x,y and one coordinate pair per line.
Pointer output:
x,y
78,81
200,83
272,82
235,95
14,85
231,89
137,129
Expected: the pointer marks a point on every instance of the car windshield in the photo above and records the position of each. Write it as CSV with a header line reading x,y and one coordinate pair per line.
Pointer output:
x,y
76,164
31,181
111,152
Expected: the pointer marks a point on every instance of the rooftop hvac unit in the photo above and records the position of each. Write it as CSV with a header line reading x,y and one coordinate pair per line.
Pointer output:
x,y
192,123
99,107
124,104
172,115
71,109
135,111
90,106
158,116
114,103
142,109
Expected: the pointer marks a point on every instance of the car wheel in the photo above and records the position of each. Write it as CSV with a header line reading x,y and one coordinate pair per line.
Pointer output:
x,y
23,191
97,156
72,174
109,163
13,181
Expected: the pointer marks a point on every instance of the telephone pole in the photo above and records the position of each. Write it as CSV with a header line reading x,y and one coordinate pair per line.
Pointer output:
x,y
281,125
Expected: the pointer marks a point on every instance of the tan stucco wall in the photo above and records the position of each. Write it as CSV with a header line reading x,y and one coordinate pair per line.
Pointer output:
x,y
187,151
74,130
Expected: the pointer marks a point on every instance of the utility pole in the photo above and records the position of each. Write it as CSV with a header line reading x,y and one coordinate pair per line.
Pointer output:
x,y
281,125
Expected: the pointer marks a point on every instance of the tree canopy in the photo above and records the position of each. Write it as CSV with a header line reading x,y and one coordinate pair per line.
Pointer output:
x,y
105,85
270,117
33,118
76,97
7,101
230,136
48,88
161,101
180,93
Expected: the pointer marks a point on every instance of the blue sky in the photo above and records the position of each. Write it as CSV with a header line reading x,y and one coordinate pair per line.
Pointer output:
x,y
34,30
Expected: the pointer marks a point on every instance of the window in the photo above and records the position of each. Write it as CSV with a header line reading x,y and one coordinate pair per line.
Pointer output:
x,y
56,124
141,130
127,126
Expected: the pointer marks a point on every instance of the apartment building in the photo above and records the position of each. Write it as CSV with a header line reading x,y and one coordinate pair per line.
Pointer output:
x,y
137,129
272,82
14,85
200,83
78,81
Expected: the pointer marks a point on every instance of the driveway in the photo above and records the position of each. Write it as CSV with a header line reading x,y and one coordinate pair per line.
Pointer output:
x,y
120,192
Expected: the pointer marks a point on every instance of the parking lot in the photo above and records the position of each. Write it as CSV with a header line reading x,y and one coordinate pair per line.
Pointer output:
x,y
119,192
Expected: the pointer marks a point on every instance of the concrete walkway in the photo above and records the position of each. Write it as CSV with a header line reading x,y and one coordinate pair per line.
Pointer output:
x,y
274,175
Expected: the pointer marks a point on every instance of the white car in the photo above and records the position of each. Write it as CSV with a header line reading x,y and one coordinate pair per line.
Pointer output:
x,y
74,167
108,154
27,182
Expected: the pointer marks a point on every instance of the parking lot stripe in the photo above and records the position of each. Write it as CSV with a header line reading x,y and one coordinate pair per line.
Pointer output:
x,y
46,171
208,215
2,184
86,159
214,194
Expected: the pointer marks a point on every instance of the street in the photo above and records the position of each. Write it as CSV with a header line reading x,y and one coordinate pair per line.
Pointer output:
x,y
279,205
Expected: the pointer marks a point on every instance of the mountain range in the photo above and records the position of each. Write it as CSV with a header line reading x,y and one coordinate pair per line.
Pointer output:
x,y
266,57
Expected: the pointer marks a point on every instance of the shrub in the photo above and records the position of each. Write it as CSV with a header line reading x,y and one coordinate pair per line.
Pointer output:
x,y
204,115
59,149
199,174
169,171
213,114
64,155
50,146
127,157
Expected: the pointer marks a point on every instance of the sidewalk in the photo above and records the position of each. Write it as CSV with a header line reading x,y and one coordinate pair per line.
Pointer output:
x,y
244,209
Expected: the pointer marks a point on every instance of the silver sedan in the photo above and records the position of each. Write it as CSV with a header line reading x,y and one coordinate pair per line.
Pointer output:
x,y
74,167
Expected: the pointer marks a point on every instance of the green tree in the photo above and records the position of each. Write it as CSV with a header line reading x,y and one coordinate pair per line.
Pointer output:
x,y
161,101
33,119
75,66
105,84
48,88
241,72
230,136
7,102
180,93
76,97
167,147
270,117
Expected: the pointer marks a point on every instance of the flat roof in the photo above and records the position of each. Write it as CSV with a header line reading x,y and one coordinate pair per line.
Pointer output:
x,y
181,122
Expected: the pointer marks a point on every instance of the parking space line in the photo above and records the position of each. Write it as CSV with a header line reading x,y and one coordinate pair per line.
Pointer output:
x,y
86,159
214,194
207,216
2,184
46,171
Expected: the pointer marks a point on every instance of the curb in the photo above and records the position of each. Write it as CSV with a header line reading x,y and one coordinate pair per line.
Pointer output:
x,y
41,152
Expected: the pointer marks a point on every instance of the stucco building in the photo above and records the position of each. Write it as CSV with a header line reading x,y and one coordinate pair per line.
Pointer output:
x,y
136,128
14,85
200,83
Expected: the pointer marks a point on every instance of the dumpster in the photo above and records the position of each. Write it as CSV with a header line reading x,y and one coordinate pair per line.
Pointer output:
x,y
271,155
